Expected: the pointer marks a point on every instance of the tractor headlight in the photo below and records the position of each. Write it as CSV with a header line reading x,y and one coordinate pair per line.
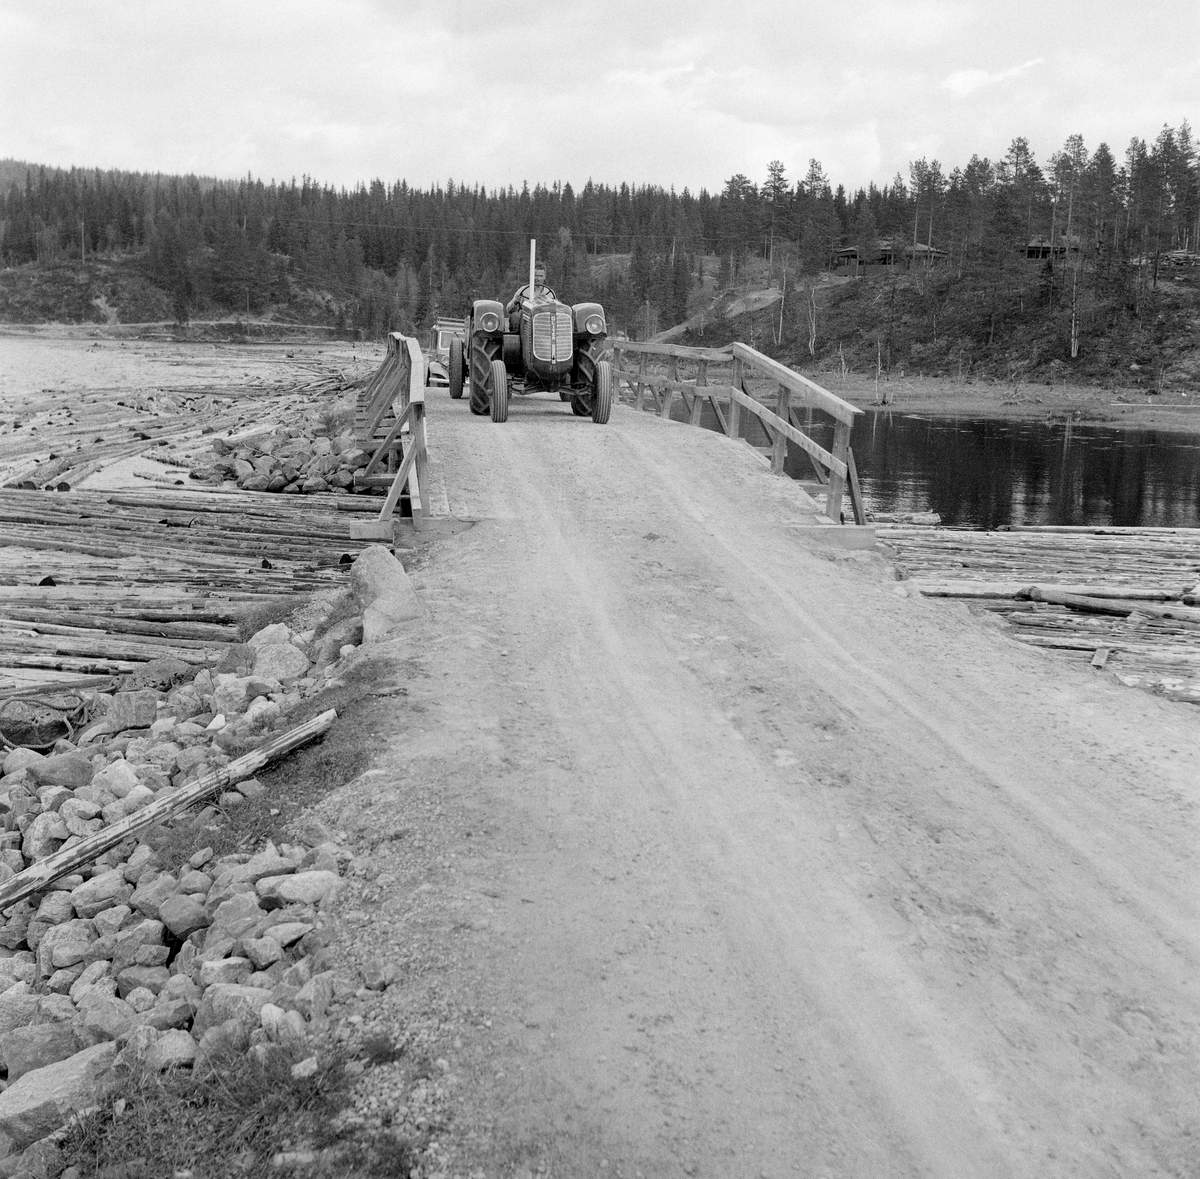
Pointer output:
x,y
489,321
594,324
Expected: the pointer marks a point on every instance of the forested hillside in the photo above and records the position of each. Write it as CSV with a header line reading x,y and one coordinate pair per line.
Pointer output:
x,y
993,264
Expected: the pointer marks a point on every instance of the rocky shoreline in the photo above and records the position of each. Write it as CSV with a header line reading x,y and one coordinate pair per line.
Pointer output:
x,y
148,958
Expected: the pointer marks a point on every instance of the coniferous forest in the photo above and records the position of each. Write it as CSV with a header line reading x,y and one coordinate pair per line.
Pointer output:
x,y
962,266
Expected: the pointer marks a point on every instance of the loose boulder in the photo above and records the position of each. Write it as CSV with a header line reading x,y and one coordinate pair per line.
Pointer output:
x,y
42,1100
384,593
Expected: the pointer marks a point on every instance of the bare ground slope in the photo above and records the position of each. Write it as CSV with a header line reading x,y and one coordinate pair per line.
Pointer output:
x,y
759,868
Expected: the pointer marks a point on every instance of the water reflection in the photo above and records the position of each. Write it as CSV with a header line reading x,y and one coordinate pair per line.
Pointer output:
x,y
980,472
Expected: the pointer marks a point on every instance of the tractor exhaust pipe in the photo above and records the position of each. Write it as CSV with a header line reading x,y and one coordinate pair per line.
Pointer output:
x,y
532,261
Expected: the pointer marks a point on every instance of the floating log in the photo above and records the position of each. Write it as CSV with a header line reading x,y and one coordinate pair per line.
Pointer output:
x,y
1099,605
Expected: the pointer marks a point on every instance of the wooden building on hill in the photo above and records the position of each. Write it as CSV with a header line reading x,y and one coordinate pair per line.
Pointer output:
x,y
888,252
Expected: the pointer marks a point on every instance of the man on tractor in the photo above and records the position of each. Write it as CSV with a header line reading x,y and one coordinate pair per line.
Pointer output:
x,y
541,294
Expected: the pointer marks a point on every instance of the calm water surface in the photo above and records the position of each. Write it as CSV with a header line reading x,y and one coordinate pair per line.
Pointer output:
x,y
981,472
985,473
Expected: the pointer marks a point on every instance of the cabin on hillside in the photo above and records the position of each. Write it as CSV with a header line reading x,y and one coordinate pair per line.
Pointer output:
x,y
888,252
1041,248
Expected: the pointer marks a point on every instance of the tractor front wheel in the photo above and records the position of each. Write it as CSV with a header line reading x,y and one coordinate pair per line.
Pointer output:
x,y
499,383
602,392
456,369
581,405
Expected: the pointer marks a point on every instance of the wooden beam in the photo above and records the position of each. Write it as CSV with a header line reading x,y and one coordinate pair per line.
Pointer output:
x,y
843,411
645,348
389,441
44,872
802,440
838,472
856,502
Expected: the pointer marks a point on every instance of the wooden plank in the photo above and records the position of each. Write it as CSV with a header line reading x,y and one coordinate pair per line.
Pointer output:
x,y
800,439
389,441
1100,658
843,411
779,438
62,863
856,501
393,496
646,348
735,409
838,472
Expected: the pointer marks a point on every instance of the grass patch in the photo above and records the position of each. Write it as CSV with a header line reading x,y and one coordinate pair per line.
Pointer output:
x,y
231,1119
297,783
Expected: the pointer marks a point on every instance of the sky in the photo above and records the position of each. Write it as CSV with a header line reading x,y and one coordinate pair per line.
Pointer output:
x,y
681,93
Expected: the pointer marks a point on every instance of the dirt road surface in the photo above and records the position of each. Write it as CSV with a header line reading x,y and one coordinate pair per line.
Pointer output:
x,y
756,866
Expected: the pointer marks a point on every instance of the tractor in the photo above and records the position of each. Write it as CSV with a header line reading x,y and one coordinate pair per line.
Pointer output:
x,y
556,348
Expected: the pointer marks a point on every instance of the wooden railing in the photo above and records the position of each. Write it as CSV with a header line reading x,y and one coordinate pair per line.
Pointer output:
x,y
390,426
834,468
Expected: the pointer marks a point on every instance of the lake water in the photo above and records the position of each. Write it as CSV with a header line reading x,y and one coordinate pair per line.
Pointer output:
x,y
984,472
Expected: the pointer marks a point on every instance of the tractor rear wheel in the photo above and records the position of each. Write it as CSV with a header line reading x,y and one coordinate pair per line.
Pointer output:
x,y
602,392
499,383
456,369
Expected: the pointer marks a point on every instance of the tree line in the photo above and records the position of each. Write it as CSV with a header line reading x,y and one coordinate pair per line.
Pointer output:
x,y
393,256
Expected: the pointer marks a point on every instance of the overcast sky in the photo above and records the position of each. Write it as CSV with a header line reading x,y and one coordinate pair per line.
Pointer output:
x,y
674,92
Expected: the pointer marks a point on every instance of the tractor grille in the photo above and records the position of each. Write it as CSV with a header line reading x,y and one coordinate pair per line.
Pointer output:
x,y
552,334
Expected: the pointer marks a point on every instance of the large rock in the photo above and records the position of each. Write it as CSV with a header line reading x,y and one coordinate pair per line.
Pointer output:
x,y
280,661
118,778
173,1049
64,945
383,593
81,817
101,892
35,1046
313,999
151,892
267,862
104,1017
18,1005
65,769
234,917
129,942
225,970
42,1100
226,1001
150,978
56,907
21,759
133,710
183,914
234,693
276,633
302,888
44,836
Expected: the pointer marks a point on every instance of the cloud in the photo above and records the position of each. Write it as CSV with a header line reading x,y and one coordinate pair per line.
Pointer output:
x,y
967,82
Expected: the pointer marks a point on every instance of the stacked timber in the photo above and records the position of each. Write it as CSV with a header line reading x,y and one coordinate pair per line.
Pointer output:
x,y
1125,599
95,583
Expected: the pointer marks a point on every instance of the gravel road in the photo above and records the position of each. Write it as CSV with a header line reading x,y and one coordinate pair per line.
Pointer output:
x,y
763,867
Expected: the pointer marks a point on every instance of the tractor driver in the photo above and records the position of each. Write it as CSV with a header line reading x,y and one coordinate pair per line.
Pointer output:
x,y
541,294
